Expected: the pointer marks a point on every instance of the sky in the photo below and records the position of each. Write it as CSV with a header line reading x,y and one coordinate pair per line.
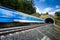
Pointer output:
x,y
50,6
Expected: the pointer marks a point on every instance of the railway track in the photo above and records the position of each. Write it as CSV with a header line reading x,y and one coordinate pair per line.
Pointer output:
x,y
41,31
4,31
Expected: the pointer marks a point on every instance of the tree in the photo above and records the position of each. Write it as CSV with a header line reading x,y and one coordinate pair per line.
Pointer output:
x,y
47,13
13,4
36,14
57,14
25,6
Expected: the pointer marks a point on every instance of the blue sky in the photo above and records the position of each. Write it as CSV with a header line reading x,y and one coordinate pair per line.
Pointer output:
x,y
43,6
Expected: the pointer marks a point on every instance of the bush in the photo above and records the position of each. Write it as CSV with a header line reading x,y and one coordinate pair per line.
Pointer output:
x,y
58,15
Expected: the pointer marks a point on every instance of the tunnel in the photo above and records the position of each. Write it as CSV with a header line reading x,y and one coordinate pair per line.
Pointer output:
x,y
49,20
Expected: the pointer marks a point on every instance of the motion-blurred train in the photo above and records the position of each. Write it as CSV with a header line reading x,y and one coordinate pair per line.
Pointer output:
x,y
8,16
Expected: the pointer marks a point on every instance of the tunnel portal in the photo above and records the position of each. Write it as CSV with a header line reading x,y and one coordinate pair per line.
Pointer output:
x,y
49,20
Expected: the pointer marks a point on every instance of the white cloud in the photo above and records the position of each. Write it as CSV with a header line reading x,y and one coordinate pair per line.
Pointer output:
x,y
53,13
48,9
37,10
44,10
58,10
57,6
42,0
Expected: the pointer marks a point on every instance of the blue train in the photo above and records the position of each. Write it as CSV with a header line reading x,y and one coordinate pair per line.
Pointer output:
x,y
9,15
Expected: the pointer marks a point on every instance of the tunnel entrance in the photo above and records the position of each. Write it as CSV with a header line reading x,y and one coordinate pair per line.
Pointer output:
x,y
49,20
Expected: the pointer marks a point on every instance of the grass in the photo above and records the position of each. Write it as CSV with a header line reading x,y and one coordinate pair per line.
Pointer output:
x,y
55,17
57,21
43,16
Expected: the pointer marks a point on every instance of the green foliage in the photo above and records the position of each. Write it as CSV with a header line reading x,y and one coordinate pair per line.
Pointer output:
x,y
19,5
25,6
58,15
9,3
47,13
36,14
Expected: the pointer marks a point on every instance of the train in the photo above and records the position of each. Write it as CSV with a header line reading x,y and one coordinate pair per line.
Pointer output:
x,y
8,15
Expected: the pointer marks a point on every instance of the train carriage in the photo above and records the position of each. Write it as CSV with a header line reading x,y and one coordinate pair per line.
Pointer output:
x,y
8,15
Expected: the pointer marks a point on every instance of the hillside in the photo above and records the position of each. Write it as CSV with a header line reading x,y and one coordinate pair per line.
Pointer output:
x,y
55,18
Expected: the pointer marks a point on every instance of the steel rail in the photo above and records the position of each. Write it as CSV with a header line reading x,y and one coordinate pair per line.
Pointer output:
x,y
5,31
